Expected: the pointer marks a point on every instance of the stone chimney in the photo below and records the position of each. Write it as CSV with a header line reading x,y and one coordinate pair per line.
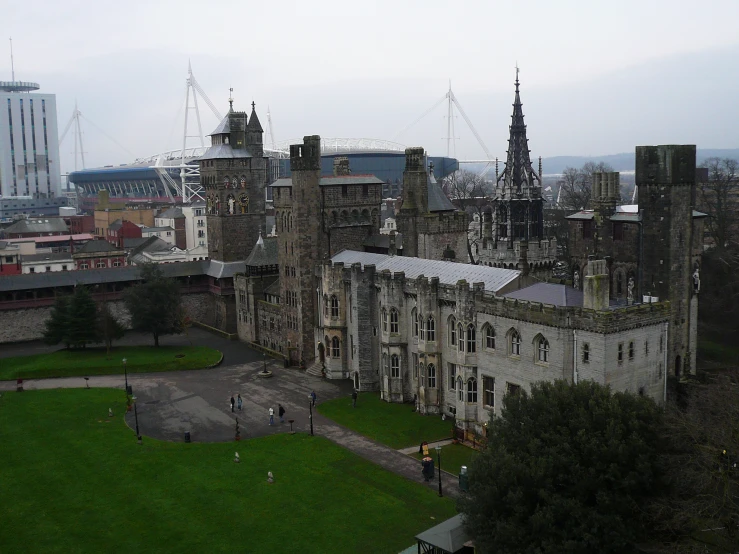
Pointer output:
x,y
341,166
523,258
595,287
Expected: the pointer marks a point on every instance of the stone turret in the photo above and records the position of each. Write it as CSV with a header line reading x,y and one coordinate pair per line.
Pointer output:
x,y
595,287
341,166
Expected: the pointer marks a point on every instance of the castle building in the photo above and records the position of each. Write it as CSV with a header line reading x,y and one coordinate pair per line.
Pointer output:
x,y
234,174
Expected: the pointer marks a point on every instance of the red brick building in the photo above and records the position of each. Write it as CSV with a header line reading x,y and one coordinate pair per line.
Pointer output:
x,y
99,254
122,229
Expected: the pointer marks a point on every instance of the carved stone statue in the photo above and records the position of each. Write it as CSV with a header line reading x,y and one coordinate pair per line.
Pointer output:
x,y
217,206
208,205
576,280
630,290
231,205
696,281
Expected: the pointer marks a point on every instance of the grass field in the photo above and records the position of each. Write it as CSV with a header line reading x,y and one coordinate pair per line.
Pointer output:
x,y
717,353
95,361
453,457
395,425
75,480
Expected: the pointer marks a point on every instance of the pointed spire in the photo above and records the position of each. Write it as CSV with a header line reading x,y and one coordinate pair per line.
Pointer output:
x,y
254,124
231,100
260,240
518,174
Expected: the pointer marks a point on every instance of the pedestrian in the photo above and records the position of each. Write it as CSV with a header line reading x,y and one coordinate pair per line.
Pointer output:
x,y
281,411
239,401
313,396
271,416
232,403
354,398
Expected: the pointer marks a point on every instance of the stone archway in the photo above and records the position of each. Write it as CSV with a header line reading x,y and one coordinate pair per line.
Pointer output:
x,y
321,353
356,380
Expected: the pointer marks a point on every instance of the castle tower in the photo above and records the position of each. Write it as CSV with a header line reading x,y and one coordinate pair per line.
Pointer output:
x,y
233,172
432,227
665,176
518,203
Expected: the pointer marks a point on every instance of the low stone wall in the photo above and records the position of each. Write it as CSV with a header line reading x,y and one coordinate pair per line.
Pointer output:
x,y
27,324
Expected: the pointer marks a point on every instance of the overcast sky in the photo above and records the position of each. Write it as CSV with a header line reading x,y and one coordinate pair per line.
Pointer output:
x,y
596,77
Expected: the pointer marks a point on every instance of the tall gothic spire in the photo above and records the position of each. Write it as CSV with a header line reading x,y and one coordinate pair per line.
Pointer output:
x,y
518,177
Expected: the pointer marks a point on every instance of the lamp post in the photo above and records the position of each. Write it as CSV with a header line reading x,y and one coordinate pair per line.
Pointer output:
x,y
438,460
125,373
310,409
136,416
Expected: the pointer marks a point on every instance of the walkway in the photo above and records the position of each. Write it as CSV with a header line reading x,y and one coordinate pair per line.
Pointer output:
x,y
172,403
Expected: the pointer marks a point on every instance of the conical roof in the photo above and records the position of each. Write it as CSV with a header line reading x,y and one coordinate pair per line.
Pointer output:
x,y
264,252
223,127
254,124
518,173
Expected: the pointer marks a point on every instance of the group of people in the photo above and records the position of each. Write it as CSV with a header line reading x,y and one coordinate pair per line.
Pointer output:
x,y
238,403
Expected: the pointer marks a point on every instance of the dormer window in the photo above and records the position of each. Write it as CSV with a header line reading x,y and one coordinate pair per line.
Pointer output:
x,y
225,139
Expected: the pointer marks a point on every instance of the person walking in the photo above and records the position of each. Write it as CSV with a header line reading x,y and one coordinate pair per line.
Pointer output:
x,y
239,402
313,396
232,403
354,398
271,416
281,412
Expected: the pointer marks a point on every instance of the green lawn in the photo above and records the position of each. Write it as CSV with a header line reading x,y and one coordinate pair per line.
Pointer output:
x,y
74,480
395,425
95,361
718,352
453,457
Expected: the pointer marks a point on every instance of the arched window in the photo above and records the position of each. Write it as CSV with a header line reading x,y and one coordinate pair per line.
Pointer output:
x,y
414,317
335,348
489,337
325,305
384,320
472,390
586,353
431,369
460,333
431,329
543,349
394,366
471,339
385,365
334,306
422,374
393,320
460,389
452,326
422,326
515,343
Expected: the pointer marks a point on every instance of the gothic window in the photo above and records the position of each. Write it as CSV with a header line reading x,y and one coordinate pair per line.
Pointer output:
x,y
460,333
355,216
620,352
325,305
471,339
452,326
515,343
543,350
335,348
489,337
384,320
452,376
586,353
393,321
394,366
631,350
460,389
334,306
472,390
431,329
365,215
422,326
488,388
414,317
431,369
646,348
422,374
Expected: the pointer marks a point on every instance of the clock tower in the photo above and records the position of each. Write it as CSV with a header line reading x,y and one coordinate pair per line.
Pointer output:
x,y
233,172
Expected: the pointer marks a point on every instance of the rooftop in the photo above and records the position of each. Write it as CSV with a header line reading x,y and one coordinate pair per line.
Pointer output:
x,y
449,273
549,293
264,253
50,257
96,246
448,536
51,225
335,180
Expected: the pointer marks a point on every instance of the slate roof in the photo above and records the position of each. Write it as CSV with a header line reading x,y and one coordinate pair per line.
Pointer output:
x,y
273,288
30,281
383,241
50,257
627,212
134,242
438,201
449,535
172,213
222,270
224,126
449,273
117,224
156,229
264,253
95,246
549,293
332,180
51,225
224,151
254,124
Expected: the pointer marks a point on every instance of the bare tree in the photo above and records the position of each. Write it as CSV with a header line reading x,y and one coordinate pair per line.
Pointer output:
x,y
470,193
577,184
719,198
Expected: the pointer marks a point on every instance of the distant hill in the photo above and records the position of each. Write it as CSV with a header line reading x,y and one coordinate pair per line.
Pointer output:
x,y
625,161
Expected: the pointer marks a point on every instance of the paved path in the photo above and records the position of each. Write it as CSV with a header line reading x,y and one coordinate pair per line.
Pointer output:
x,y
172,403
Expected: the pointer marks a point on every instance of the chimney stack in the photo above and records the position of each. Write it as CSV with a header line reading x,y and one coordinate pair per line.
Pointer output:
x,y
596,285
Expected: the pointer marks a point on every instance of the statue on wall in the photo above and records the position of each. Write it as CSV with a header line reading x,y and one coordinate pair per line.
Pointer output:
x,y
576,279
208,205
231,209
630,290
217,206
696,280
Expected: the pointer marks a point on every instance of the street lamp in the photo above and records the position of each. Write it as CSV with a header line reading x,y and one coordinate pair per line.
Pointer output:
x,y
136,415
310,409
438,460
125,374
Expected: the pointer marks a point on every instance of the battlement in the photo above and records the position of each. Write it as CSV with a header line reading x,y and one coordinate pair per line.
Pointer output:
x,y
306,156
415,159
665,165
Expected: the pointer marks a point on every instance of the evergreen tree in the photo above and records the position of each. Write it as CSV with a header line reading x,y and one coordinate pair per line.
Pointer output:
x,y
56,325
82,325
110,327
155,305
566,469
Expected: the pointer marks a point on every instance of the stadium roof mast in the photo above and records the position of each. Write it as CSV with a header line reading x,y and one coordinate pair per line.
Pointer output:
x,y
75,119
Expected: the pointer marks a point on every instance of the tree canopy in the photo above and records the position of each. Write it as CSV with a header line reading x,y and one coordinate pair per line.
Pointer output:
x,y
73,320
155,304
565,469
